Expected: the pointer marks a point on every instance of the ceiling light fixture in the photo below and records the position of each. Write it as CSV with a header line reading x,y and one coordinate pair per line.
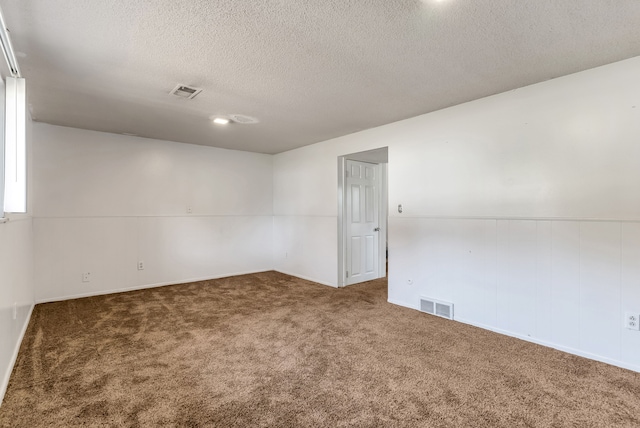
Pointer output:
x,y
220,121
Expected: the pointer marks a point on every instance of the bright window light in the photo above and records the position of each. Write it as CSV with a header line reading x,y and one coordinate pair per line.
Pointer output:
x,y
15,150
2,218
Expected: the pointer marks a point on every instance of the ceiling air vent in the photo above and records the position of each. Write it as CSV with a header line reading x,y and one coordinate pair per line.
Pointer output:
x,y
184,91
242,119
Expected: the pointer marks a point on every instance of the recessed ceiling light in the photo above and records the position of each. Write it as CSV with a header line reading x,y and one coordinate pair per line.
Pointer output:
x,y
220,120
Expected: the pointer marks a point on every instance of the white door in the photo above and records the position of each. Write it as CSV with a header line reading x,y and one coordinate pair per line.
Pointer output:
x,y
362,185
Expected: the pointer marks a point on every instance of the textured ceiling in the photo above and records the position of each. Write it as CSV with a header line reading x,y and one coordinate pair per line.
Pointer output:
x,y
309,70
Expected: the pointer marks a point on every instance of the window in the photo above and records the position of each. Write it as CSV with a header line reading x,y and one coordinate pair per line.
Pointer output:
x,y
13,150
1,150
15,153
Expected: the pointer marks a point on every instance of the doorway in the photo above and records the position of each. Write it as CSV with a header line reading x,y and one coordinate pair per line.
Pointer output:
x,y
362,216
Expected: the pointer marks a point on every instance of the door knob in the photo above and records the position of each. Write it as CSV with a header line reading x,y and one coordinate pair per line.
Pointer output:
x,y
377,229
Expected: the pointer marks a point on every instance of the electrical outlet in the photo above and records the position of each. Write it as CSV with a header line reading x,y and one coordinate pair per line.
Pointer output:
x,y
141,265
409,281
86,277
189,210
632,320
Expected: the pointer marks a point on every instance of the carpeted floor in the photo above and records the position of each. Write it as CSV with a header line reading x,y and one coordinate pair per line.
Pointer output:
x,y
273,350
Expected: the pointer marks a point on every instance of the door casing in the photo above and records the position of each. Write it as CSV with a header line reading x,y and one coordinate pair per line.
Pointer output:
x,y
382,215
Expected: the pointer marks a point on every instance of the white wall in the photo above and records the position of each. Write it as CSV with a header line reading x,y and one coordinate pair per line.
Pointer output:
x,y
523,209
106,201
16,282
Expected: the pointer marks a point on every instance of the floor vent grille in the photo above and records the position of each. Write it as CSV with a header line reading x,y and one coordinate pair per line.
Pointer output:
x,y
436,307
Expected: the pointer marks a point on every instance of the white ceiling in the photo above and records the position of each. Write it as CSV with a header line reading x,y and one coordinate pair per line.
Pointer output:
x,y
309,70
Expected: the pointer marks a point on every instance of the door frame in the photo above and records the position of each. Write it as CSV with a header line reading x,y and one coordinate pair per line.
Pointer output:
x,y
342,217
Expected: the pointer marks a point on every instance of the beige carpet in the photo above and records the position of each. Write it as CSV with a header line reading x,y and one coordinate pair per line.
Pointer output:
x,y
272,350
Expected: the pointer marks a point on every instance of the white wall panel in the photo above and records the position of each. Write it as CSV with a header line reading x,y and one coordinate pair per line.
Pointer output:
x,y
404,269
305,245
490,280
502,275
182,248
447,248
469,288
7,343
17,268
565,297
420,260
426,261
65,248
173,249
600,268
521,277
16,288
544,284
630,288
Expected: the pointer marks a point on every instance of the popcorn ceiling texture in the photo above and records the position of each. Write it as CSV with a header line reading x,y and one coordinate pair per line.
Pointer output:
x,y
309,70
273,350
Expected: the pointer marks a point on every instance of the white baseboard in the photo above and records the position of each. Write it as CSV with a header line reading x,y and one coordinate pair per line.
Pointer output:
x,y
405,304
14,356
306,278
162,284
548,344
562,348
142,287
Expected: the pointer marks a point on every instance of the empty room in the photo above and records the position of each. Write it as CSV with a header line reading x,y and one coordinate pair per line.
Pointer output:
x,y
275,213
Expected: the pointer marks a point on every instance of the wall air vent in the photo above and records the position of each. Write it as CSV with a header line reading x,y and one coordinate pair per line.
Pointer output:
x,y
242,119
436,307
184,91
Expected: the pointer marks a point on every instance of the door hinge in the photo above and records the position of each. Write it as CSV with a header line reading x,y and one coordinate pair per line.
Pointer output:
x,y
347,274
346,173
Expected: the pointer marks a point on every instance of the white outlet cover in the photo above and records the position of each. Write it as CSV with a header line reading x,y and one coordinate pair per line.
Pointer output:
x,y
632,320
